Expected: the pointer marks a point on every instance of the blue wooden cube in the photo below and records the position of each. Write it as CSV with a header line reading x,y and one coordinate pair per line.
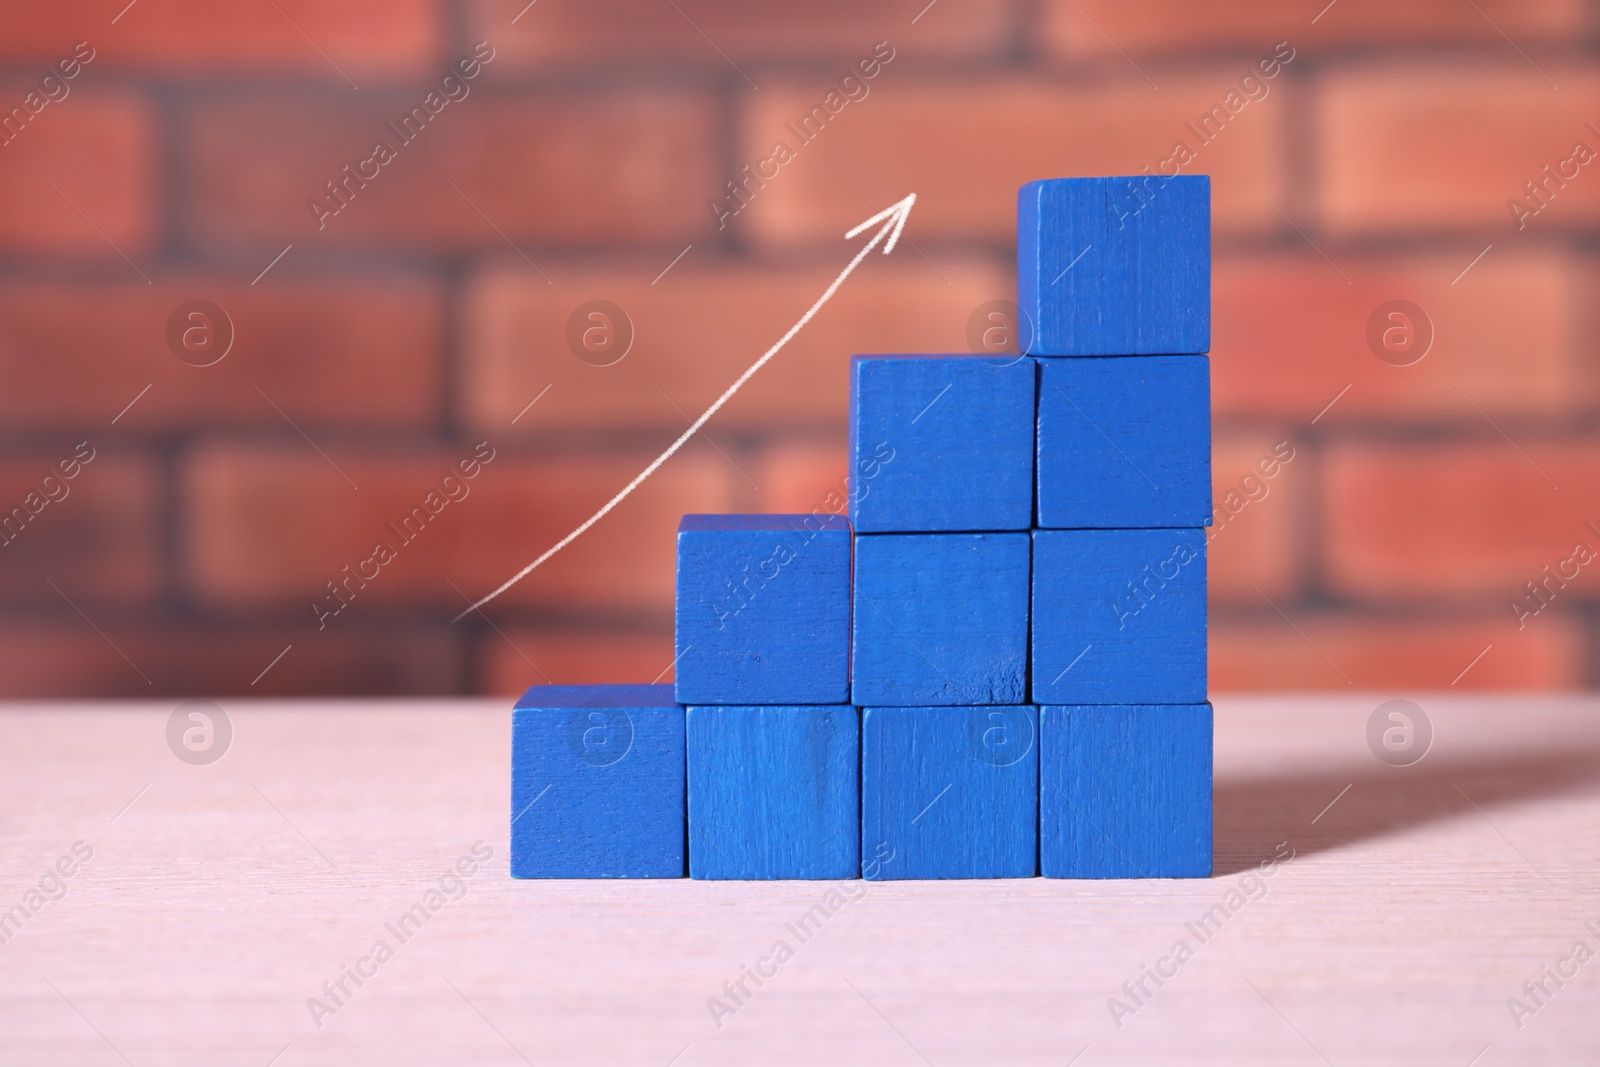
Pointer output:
x,y
1119,616
940,619
763,609
941,443
1116,266
1125,441
597,782
774,792
949,792
1125,791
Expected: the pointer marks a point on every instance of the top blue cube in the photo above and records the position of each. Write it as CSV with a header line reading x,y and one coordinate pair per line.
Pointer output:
x,y
1115,266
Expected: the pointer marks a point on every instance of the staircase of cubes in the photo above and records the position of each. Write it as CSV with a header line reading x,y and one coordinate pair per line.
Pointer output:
x,y
997,667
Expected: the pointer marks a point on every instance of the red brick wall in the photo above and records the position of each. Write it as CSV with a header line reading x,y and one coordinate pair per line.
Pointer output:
x,y
373,349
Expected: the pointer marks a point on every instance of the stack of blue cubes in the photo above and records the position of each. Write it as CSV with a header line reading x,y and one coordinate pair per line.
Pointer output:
x,y
996,668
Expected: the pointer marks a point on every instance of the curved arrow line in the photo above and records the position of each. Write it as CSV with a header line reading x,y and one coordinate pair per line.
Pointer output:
x,y
896,214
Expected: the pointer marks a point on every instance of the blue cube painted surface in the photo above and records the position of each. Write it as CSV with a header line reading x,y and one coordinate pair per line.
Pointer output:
x,y
1119,616
1125,791
763,609
941,443
774,792
940,619
1124,442
949,792
597,782
1115,266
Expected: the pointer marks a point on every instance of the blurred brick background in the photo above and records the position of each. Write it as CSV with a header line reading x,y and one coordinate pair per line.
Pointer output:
x,y
373,353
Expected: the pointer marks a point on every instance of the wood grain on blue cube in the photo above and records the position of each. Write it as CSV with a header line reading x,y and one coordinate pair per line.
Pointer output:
x,y
941,443
763,609
949,792
1125,791
1119,616
597,782
940,619
1116,266
1125,442
774,792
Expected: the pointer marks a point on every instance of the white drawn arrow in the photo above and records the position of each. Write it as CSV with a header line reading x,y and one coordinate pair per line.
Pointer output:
x,y
893,218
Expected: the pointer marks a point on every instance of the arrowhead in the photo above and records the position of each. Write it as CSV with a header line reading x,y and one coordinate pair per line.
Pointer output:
x,y
896,215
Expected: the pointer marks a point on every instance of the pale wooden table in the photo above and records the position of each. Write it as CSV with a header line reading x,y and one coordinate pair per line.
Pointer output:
x,y
224,896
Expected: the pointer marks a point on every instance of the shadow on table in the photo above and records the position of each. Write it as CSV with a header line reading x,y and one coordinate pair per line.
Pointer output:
x,y
1254,814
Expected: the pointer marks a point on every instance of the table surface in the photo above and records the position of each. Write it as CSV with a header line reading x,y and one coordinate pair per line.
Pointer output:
x,y
219,899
